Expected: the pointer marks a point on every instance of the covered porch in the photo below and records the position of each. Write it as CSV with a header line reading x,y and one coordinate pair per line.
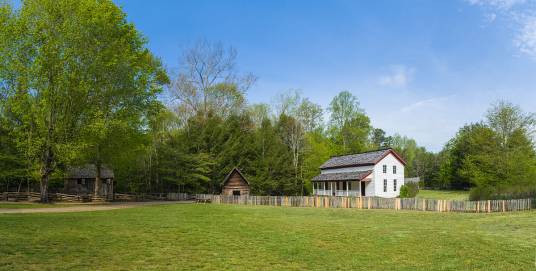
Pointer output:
x,y
347,184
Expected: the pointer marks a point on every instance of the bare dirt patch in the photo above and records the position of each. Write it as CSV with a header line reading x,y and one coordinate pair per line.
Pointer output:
x,y
87,208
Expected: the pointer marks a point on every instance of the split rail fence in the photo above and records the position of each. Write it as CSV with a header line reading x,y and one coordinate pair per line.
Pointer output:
x,y
32,196
485,206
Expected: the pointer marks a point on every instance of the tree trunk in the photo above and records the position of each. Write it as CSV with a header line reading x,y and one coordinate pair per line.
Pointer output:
x,y
44,188
98,180
46,170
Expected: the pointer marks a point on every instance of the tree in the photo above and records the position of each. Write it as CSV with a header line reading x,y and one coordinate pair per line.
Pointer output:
x,y
208,81
506,118
68,61
259,113
356,134
344,107
297,117
310,115
349,126
378,138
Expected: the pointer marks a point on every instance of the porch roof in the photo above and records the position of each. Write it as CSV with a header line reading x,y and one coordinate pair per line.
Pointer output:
x,y
342,176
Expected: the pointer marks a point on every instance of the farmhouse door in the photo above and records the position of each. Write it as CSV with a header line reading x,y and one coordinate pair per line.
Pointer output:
x,y
362,188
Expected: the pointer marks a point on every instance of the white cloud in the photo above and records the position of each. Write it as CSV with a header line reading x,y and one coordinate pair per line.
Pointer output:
x,y
399,76
428,104
521,14
500,4
525,39
490,17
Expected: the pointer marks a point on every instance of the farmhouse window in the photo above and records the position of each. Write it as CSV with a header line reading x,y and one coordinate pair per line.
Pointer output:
x,y
337,185
385,185
384,168
394,169
394,185
349,185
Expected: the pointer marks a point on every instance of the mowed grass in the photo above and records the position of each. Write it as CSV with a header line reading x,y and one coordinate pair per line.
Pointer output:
x,y
230,237
443,194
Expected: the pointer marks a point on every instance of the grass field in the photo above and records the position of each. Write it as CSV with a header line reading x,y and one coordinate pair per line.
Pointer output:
x,y
208,237
443,194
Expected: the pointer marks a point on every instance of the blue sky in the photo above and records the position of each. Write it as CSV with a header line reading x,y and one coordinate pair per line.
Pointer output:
x,y
419,68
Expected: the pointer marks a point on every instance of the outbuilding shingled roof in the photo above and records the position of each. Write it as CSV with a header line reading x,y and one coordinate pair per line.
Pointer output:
x,y
343,176
359,159
89,172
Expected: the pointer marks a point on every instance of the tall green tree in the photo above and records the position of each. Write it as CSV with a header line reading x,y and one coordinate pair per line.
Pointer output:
x,y
68,60
349,126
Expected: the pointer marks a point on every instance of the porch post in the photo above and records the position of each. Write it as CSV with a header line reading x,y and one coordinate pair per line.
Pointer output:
x,y
347,188
360,187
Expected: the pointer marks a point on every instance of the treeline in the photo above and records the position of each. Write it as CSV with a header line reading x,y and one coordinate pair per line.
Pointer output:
x,y
84,88
495,157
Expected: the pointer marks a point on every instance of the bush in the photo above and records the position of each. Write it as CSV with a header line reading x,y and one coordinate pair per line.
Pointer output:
x,y
409,190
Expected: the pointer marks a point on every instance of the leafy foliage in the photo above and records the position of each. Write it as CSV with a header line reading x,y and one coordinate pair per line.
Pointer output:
x,y
409,190
495,158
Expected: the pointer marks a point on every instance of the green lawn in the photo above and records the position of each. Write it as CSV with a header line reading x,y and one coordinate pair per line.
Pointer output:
x,y
227,237
443,194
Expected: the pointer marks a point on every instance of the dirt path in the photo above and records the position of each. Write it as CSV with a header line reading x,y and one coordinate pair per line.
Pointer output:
x,y
87,208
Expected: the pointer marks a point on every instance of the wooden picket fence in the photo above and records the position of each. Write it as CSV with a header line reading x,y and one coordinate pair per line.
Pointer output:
x,y
485,206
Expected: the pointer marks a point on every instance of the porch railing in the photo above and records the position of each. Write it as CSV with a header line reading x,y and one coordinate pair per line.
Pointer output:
x,y
338,193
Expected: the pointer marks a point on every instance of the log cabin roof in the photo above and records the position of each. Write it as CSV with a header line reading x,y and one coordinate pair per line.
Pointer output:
x,y
360,159
231,174
342,176
89,171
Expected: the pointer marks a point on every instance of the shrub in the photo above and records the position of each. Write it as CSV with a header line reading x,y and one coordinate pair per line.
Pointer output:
x,y
409,190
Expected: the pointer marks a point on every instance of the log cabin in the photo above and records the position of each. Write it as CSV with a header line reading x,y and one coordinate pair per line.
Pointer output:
x,y
81,181
235,184
378,173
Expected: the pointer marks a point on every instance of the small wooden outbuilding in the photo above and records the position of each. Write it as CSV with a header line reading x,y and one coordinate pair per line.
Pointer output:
x,y
235,184
82,181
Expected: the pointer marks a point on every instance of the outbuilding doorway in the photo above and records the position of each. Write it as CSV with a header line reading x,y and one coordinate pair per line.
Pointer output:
x,y
236,192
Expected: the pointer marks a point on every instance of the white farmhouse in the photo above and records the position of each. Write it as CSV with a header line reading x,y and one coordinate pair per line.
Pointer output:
x,y
377,173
